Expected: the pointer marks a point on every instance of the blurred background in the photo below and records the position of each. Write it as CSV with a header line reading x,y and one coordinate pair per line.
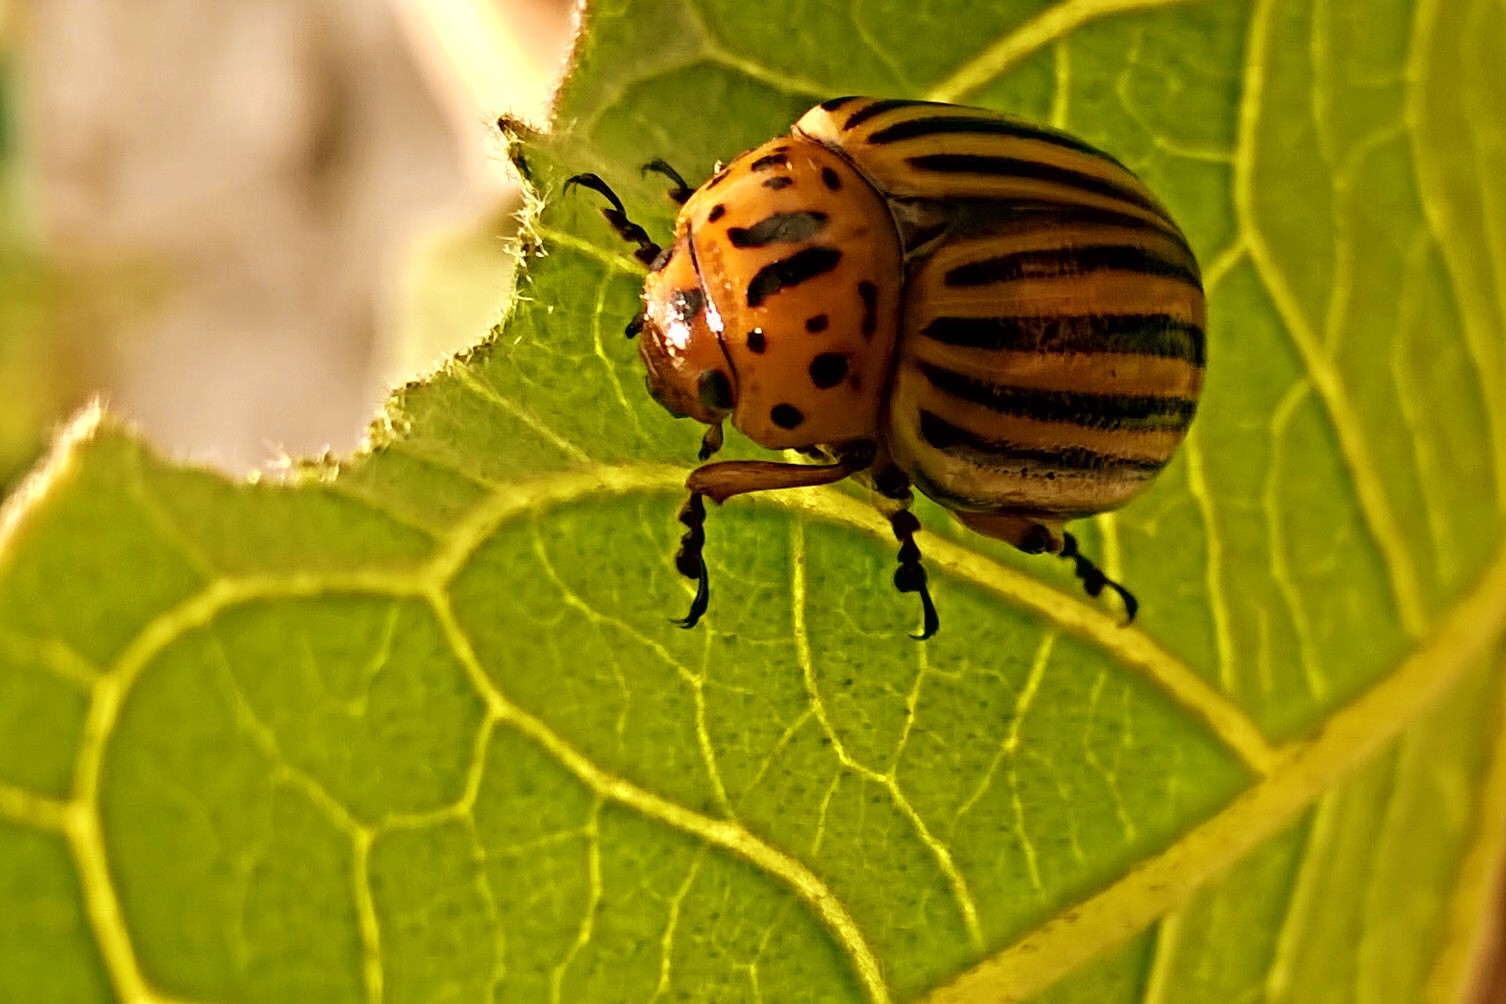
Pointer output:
x,y
239,223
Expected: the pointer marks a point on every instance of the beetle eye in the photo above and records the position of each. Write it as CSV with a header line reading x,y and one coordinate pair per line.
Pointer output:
x,y
715,391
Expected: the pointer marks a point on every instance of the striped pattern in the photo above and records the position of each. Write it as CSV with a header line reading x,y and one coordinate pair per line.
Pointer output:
x,y
1052,347
949,153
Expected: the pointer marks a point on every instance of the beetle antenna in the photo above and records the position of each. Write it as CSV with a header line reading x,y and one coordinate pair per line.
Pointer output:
x,y
617,216
1093,579
682,192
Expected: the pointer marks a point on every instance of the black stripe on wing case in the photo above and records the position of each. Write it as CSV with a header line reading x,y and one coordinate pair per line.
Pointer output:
x,y
1094,411
942,435
867,112
1067,214
791,271
1158,335
983,215
941,125
1054,262
1030,170
778,228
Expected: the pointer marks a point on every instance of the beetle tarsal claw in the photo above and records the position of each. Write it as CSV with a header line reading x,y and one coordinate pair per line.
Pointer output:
x,y
699,604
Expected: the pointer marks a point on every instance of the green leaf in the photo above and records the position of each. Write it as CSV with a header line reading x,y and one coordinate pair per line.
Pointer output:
x,y
415,727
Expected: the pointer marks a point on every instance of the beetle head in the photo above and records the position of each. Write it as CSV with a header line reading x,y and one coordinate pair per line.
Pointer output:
x,y
688,371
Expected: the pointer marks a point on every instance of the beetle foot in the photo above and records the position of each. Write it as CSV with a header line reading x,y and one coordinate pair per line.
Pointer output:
x,y
1093,579
910,576
688,559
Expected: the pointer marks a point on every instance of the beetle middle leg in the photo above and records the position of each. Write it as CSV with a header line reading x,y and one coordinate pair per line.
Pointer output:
x,y
910,577
722,480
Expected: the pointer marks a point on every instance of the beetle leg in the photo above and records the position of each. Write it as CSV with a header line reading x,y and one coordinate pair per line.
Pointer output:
x,y
1093,579
682,192
688,559
725,478
721,481
910,576
617,216
710,442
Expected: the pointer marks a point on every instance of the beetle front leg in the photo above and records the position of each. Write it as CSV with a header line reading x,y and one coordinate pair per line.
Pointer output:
x,y
688,559
721,481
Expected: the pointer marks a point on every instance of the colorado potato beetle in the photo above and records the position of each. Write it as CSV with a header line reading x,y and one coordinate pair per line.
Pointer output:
x,y
920,294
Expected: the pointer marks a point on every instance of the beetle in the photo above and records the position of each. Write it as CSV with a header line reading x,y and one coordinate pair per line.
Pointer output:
x,y
924,295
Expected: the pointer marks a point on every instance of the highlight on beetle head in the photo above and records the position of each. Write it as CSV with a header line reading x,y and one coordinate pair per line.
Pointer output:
x,y
688,371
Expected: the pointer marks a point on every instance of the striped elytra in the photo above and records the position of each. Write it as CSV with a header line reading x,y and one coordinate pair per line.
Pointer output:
x,y
990,310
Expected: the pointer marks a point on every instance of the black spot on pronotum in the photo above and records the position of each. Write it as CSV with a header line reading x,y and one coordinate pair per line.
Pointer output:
x,y
830,180
816,325
804,264
717,212
777,183
756,342
869,294
778,228
773,160
715,391
786,416
828,369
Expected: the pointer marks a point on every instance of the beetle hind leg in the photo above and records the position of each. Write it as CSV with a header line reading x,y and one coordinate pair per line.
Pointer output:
x,y
1034,536
1093,579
